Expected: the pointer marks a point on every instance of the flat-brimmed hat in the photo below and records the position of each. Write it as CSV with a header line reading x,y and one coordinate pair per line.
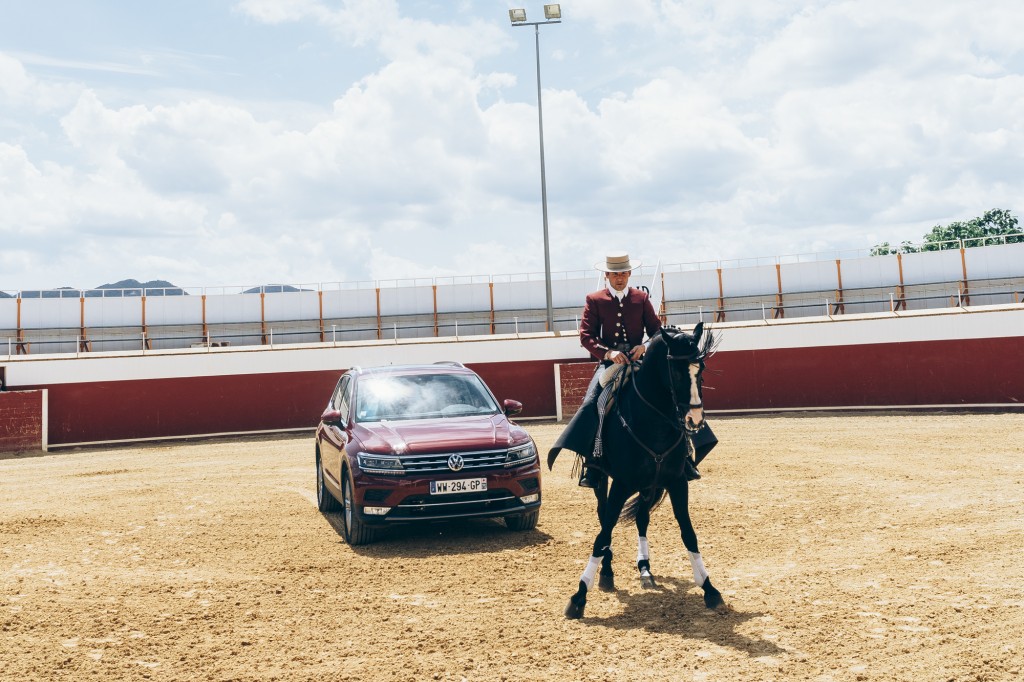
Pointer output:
x,y
617,262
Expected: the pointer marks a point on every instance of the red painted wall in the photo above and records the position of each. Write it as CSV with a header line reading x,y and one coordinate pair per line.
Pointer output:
x,y
21,420
154,408
965,371
151,408
972,371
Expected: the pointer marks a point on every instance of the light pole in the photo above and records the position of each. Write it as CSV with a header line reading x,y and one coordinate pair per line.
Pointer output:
x,y
552,15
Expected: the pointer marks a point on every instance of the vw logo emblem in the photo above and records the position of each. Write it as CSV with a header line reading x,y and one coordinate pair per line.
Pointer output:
x,y
455,462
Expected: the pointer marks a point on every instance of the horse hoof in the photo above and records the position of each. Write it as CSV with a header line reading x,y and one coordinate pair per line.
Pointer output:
x,y
712,597
574,611
606,582
647,582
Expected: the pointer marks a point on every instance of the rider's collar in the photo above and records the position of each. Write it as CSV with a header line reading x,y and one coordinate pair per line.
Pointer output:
x,y
618,294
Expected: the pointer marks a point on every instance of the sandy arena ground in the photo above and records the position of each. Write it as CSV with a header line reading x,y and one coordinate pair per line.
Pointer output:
x,y
848,548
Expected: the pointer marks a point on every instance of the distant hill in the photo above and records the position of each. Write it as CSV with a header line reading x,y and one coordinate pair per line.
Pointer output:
x,y
273,289
133,287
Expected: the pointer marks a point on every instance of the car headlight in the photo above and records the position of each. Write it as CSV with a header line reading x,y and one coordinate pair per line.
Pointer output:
x,y
523,454
380,464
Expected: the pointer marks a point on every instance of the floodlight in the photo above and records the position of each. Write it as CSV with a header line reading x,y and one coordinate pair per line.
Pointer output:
x,y
517,16
552,11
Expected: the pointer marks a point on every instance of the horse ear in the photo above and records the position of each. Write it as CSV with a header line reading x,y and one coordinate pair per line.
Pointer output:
x,y
697,331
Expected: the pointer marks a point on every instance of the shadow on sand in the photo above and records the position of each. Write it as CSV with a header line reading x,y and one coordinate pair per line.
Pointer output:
x,y
674,608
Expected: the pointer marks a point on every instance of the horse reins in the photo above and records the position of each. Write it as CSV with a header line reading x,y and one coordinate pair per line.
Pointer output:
x,y
684,431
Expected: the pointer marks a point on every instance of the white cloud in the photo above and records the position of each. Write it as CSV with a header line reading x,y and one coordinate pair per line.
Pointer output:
x,y
688,131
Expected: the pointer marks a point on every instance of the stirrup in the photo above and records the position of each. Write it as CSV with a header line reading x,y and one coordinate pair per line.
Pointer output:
x,y
590,478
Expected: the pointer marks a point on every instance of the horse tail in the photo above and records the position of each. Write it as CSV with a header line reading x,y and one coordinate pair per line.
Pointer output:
x,y
650,499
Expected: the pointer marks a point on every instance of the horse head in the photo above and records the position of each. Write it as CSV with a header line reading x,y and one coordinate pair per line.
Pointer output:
x,y
683,360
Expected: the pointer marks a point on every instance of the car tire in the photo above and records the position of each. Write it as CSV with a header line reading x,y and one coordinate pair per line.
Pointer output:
x,y
527,521
356,532
325,501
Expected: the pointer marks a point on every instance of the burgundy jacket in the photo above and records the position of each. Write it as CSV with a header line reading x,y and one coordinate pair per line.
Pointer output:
x,y
607,322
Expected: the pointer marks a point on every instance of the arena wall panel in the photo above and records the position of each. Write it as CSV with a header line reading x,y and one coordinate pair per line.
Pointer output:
x,y
760,280
994,263
568,293
805,277
868,273
174,310
463,298
930,267
120,311
518,295
691,285
953,357
232,308
8,313
409,300
285,306
348,303
50,313
23,423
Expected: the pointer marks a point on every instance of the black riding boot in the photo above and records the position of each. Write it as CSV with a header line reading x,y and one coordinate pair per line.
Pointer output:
x,y
590,477
690,470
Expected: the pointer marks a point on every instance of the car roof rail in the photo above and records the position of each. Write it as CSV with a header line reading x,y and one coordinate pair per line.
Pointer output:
x,y
450,362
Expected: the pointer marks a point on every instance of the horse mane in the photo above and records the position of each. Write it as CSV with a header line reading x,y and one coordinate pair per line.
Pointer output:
x,y
708,344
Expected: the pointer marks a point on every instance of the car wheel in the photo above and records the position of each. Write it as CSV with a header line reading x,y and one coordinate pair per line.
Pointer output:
x,y
527,521
325,501
356,532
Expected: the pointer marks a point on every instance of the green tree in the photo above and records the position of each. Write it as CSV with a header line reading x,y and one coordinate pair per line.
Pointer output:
x,y
997,225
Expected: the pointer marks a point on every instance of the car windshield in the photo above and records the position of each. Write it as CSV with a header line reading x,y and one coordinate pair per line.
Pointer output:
x,y
421,396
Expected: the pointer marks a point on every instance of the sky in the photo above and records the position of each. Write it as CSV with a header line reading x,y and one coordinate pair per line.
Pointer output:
x,y
242,142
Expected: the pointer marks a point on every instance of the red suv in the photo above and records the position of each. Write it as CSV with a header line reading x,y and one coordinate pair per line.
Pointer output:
x,y
417,443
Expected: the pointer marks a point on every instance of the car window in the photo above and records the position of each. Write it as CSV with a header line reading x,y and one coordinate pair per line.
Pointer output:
x,y
422,396
342,398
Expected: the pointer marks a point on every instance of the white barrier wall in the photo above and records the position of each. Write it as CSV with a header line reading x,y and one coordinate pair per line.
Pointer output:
x,y
868,273
229,308
805,277
760,280
174,310
931,267
995,262
49,313
463,298
695,284
350,303
407,300
8,313
416,304
286,306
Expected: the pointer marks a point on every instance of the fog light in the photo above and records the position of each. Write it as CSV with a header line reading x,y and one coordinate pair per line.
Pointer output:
x,y
530,499
377,511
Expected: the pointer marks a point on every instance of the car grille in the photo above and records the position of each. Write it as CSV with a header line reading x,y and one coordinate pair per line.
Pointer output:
x,y
438,463
490,502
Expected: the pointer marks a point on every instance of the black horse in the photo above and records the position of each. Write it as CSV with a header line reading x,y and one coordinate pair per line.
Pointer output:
x,y
649,433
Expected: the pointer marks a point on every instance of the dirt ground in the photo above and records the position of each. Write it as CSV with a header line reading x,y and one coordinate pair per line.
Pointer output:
x,y
848,548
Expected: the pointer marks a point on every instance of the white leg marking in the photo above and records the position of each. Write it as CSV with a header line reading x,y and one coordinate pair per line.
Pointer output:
x,y
590,571
695,415
642,550
700,574
694,394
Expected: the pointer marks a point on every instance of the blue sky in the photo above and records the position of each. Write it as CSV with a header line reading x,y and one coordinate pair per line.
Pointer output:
x,y
237,142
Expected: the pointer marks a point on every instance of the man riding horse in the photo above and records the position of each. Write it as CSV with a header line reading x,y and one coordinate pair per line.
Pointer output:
x,y
615,319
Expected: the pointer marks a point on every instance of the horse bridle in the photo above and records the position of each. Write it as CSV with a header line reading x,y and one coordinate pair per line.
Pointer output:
x,y
684,430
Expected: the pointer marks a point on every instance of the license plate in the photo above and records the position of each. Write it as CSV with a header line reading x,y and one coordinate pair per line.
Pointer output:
x,y
459,485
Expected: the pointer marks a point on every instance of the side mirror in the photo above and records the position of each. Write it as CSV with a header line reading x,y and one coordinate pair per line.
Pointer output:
x,y
331,416
511,407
